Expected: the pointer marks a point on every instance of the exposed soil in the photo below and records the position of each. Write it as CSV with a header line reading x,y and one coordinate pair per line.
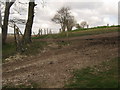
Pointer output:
x,y
52,67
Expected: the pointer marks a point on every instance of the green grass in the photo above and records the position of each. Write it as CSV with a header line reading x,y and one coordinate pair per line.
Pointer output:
x,y
79,32
34,48
106,26
103,76
98,27
31,49
8,50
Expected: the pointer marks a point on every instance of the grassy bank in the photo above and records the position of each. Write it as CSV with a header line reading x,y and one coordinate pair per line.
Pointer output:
x,y
8,50
104,75
31,49
79,32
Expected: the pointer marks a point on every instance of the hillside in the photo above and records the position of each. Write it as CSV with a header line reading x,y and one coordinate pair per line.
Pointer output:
x,y
57,56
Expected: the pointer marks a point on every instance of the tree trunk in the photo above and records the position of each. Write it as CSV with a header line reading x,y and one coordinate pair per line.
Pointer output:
x,y
63,28
69,28
0,18
5,21
17,39
28,28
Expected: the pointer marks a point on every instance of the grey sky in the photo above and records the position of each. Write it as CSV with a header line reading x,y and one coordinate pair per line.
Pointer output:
x,y
95,12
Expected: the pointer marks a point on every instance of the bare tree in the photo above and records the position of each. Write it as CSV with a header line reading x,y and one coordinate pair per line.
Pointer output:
x,y
78,26
28,28
61,17
70,23
41,31
8,4
83,24
87,26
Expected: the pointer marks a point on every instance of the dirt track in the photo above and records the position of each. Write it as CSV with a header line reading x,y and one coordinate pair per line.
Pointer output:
x,y
52,67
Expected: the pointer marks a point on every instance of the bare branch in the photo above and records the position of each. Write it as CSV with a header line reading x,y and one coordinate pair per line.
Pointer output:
x,y
43,3
11,3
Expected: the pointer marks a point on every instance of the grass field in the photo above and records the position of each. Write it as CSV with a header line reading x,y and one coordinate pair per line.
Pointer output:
x,y
79,32
104,75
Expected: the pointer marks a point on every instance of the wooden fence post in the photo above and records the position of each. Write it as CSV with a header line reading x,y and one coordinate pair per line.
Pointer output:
x,y
17,37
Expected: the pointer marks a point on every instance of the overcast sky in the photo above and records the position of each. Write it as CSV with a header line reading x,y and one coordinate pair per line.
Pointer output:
x,y
95,12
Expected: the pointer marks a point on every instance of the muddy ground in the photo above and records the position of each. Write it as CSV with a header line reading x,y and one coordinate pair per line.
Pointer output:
x,y
52,67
